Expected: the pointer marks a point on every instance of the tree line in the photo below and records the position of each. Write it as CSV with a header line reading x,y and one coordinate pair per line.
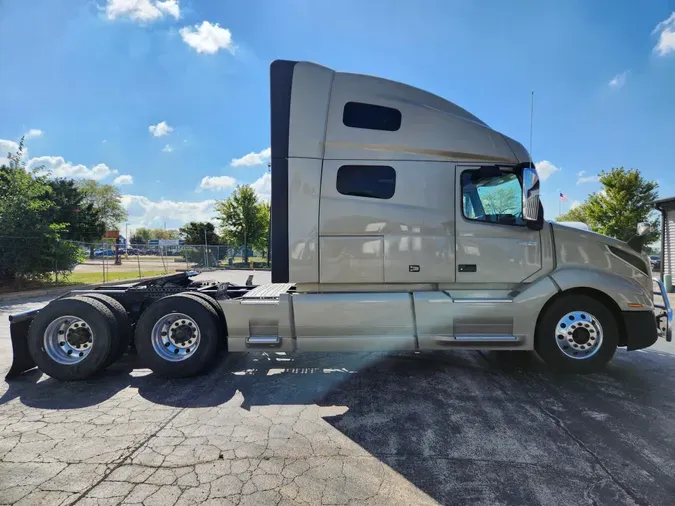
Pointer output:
x,y
626,199
44,220
244,221
40,218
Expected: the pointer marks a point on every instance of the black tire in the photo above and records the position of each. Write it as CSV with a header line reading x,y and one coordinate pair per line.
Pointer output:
x,y
546,337
214,304
205,317
121,338
99,318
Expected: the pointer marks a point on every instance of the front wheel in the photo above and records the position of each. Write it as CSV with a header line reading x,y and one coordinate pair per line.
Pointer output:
x,y
577,334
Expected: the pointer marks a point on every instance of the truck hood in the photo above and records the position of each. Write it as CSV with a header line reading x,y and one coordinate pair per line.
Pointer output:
x,y
576,246
590,235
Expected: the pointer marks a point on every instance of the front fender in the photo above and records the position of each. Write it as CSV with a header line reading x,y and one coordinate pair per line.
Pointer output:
x,y
623,291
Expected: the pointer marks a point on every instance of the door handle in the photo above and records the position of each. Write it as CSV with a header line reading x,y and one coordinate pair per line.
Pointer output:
x,y
466,267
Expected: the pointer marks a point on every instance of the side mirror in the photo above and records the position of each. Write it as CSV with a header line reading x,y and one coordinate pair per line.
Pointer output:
x,y
642,228
530,194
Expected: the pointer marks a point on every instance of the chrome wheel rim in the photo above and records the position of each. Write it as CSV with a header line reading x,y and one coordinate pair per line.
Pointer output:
x,y
175,337
579,335
68,340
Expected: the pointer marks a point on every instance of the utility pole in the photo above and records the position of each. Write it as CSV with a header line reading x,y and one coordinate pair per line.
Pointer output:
x,y
206,250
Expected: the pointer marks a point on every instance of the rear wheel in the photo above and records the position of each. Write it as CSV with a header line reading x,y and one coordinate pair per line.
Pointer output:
x,y
122,335
577,334
178,336
71,338
214,304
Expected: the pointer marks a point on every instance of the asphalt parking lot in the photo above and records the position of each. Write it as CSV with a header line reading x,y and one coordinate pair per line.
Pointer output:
x,y
404,428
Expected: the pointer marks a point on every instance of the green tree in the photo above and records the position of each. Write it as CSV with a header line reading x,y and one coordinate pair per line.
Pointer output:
x,y
106,199
263,241
575,214
82,221
625,200
31,248
195,232
241,220
141,236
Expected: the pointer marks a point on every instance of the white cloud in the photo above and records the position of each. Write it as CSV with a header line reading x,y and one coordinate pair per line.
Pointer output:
x,y
546,169
252,159
124,179
575,203
104,141
170,7
618,81
217,183
56,166
666,31
160,129
142,10
7,147
581,173
207,38
147,213
33,132
588,179
168,148
263,186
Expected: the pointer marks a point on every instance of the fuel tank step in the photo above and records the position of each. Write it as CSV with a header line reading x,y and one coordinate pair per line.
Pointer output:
x,y
263,341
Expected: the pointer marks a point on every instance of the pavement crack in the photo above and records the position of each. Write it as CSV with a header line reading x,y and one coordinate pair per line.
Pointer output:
x,y
557,421
123,460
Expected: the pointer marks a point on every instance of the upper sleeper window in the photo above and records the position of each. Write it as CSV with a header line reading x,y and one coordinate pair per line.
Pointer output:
x,y
371,116
374,181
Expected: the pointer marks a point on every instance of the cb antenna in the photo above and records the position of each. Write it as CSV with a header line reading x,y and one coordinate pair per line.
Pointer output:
x,y
531,120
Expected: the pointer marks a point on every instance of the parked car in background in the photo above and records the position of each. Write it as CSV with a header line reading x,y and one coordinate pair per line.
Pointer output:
x,y
655,260
104,253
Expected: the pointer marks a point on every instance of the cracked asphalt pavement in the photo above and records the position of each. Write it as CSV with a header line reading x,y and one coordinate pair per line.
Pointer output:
x,y
402,428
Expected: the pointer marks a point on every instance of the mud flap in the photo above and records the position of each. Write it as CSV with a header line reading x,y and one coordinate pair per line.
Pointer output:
x,y
18,329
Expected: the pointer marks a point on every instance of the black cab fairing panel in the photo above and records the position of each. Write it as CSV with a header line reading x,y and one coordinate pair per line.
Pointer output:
x,y
281,81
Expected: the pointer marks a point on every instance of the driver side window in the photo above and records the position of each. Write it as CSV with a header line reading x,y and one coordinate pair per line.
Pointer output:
x,y
492,199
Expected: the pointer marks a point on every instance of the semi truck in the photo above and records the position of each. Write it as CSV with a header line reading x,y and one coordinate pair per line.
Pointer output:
x,y
400,221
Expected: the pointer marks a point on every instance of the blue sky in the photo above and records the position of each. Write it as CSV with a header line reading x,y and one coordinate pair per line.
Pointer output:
x,y
158,95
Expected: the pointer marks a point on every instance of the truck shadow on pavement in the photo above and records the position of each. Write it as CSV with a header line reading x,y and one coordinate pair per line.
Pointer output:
x,y
461,426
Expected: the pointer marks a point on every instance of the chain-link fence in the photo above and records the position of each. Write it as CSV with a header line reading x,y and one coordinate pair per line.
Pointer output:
x,y
27,262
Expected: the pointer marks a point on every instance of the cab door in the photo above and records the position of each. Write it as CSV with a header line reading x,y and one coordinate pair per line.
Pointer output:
x,y
494,244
